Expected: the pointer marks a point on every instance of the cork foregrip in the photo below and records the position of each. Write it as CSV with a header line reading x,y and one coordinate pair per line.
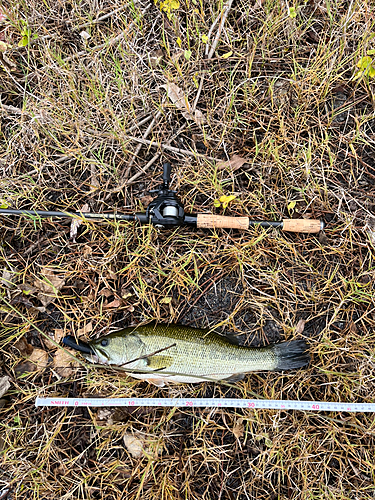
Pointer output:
x,y
222,221
302,225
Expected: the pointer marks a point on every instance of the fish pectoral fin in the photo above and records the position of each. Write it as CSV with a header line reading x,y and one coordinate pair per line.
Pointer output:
x,y
158,362
235,377
159,382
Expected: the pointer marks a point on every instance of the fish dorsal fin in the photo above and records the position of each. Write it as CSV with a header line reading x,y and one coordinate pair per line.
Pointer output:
x,y
159,361
232,338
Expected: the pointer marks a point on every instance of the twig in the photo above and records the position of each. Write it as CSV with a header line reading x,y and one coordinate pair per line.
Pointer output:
x,y
90,23
102,18
145,135
148,355
223,15
97,47
220,29
87,52
146,167
168,148
13,109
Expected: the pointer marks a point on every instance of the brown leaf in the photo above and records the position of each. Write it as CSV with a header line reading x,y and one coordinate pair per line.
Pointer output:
x,y
64,364
4,385
238,428
106,292
135,444
86,329
39,357
234,163
94,180
177,96
56,336
353,327
146,200
37,360
77,222
27,289
49,286
155,58
8,278
24,347
87,251
114,304
105,416
300,326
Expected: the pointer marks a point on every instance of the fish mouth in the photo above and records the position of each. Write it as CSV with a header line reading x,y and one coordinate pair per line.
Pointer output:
x,y
83,347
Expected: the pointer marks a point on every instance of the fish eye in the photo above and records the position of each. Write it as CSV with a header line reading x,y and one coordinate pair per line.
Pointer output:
x,y
104,342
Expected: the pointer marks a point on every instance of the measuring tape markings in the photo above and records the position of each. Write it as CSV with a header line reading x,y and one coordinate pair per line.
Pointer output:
x,y
270,404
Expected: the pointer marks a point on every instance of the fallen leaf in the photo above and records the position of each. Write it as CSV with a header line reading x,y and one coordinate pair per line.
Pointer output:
x,y
4,385
86,329
177,96
77,222
27,289
227,55
38,360
146,200
300,326
135,445
39,357
238,428
114,304
85,36
106,292
94,180
56,336
166,300
24,347
155,58
110,274
87,251
3,47
168,6
234,163
8,278
199,117
353,327
225,200
106,416
63,364
49,286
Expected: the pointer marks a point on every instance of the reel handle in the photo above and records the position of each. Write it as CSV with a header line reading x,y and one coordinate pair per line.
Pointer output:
x,y
290,225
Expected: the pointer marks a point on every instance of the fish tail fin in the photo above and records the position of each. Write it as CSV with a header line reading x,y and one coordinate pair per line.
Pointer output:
x,y
291,355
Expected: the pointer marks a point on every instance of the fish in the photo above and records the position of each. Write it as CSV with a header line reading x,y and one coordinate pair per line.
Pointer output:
x,y
170,353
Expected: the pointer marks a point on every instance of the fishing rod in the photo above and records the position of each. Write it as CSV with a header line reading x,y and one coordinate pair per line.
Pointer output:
x,y
166,211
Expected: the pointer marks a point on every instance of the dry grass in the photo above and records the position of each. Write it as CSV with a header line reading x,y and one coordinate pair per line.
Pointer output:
x,y
284,99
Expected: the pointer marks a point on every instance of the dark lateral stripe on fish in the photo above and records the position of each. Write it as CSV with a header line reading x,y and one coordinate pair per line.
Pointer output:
x,y
291,355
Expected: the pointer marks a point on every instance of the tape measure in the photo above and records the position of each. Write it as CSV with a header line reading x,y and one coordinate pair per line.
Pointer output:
x,y
258,404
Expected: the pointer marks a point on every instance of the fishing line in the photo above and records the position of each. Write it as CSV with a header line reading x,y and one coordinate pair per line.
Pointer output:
x,y
253,404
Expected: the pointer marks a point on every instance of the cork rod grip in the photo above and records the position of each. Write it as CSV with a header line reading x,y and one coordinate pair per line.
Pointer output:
x,y
222,221
302,225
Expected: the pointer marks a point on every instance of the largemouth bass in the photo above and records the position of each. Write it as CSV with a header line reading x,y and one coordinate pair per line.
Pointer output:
x,y
176,353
